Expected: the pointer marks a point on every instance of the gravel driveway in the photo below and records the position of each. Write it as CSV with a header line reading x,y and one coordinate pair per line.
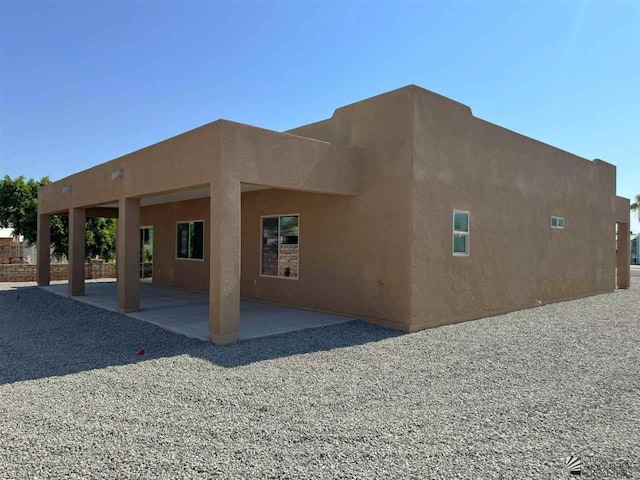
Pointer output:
x,y
504,397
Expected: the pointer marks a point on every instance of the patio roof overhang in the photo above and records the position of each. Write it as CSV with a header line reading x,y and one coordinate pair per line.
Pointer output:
x,y
199,158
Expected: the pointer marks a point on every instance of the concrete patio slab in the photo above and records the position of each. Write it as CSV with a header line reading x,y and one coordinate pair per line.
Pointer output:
x,y
187,313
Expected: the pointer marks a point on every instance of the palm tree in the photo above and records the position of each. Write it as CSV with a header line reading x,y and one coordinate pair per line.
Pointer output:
x,y
635,206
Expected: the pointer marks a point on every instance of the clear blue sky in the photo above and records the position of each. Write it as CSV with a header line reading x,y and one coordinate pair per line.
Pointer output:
x,y
86,81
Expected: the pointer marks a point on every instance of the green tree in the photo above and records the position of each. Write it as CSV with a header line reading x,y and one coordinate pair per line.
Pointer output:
x,y
19,210
19,205
101,238
635,206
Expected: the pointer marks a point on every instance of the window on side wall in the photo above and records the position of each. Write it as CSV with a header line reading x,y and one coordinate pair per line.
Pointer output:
x,y
279,247
460,233
557,222
190,240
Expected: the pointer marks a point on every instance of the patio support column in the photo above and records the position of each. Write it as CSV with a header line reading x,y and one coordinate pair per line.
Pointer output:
x,y
77,220
623,256
117,245
128,261
224,260
44,247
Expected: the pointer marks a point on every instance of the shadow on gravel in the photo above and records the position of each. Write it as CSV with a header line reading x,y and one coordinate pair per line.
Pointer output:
x,y
44,335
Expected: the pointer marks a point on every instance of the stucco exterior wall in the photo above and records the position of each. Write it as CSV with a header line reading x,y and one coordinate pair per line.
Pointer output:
x,y
167,269
511,185
364,266
622,211
345,264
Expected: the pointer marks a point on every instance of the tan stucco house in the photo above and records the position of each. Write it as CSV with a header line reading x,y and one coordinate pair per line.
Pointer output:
x,y
403,209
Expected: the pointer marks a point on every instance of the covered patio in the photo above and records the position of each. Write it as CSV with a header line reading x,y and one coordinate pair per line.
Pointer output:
x,y
187,313
189,190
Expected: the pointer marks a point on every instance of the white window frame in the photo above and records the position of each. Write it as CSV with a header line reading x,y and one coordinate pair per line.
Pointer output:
x,y
278,215
460,233
175,237
557,225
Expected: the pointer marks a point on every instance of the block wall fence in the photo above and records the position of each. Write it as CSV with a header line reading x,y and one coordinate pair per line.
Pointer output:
x,y
27,273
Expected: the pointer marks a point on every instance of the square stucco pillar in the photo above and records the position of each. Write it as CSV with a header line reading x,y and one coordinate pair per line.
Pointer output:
x,y
623,256
117,245
224,261
77,219
128,261
44,247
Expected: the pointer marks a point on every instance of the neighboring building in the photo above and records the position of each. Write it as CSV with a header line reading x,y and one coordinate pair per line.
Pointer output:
x,y
13,249
403,209
635,249
6,236
8,246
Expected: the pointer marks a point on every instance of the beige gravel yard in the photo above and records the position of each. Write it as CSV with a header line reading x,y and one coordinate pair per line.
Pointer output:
x,y
504,397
